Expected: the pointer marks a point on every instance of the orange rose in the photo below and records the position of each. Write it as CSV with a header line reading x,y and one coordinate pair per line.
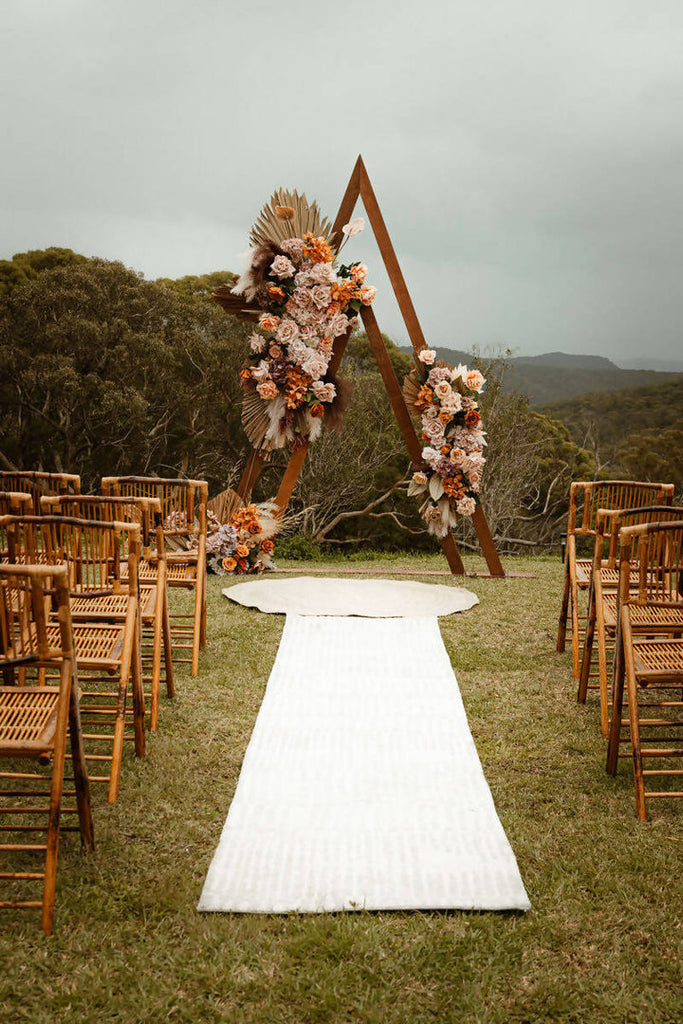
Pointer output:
x,y
229,564
424,397
253,528
267,390
317,410
472,418
242,550
268,322
444,417
445,449
266,546
275,293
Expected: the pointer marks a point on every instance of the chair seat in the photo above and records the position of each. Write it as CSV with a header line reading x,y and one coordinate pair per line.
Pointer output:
x,y
96,646
28,717
658,659
657,618
584,567
112,606
178,574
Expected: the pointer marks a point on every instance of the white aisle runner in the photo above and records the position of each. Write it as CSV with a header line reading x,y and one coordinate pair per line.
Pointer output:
x,y
361,786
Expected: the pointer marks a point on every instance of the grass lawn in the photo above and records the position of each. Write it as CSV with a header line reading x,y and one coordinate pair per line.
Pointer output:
x,y
602,943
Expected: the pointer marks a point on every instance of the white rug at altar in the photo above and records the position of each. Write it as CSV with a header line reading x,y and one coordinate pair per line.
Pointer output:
x,y
306,595
361,787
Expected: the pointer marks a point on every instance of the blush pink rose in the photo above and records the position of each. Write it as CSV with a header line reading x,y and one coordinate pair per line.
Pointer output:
x,y
282,267
466,506
287,332
338,324
368,294
321,295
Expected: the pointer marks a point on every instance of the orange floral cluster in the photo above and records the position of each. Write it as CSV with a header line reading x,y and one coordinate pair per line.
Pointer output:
x,y
344,291
317,249
455,486
247,520
296,387
424,399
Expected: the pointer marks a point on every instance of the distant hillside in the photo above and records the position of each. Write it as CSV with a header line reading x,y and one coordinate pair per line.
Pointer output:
x,y
554,376
613,417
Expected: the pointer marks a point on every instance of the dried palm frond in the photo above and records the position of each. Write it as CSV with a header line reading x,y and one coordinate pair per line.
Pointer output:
x,y
411,389
288,215
225,504
256,420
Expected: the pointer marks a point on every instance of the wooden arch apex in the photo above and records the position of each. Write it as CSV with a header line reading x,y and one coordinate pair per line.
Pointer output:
x,y
359,186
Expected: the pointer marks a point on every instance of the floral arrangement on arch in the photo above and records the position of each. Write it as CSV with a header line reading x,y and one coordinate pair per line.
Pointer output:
x,y
245,543
308,301
445,399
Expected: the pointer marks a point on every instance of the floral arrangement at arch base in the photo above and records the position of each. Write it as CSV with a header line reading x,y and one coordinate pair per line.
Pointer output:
x,y
445,400
245,543
308,301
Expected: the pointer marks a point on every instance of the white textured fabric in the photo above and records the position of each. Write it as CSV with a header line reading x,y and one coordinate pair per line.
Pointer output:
x,y
306,595
361,786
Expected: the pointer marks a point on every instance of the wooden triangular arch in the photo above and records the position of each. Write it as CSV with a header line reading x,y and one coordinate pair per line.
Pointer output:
x,y
360,187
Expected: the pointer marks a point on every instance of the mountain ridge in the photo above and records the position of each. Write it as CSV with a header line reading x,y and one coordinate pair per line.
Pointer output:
x,y
557,376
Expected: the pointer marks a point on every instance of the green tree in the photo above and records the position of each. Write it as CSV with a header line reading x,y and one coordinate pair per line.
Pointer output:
x,y
103,372
24,266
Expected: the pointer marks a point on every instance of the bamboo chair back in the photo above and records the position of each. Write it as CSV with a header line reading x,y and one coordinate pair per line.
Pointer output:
x,y
141,511
660,564
93,551
37,484
183,502
586,498
609,522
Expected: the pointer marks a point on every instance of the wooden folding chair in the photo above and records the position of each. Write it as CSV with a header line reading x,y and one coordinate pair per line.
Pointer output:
x,y
183,504
649,660
154,613
585,498
602,614
107,648
38,484
34,720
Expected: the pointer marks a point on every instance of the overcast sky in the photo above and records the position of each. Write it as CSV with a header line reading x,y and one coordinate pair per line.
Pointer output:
x,y
527,154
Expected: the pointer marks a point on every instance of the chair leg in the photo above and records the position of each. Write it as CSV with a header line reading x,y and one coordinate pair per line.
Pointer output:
x,y
131,651
602,666
638,777
574,599
202,638
138,701
587,647
617,707
57,784
564,611
196,632
78,762
168,654
156,660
